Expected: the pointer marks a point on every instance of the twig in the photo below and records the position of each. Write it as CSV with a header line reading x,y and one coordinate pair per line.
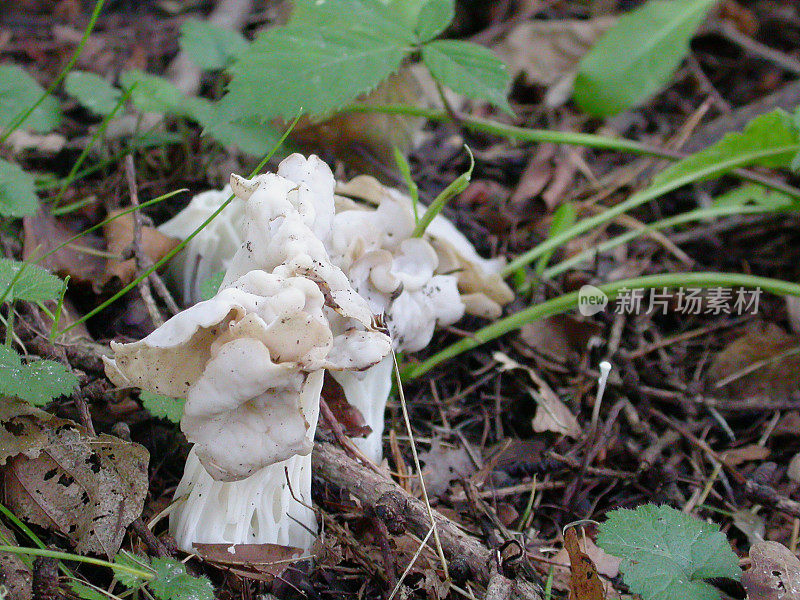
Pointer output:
x,y
153,544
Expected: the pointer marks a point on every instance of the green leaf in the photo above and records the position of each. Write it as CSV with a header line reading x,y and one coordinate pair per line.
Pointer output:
x,y
17,191
86,593
667,554
36,382
35,284
126,559
211,47
469,70
251,136
564,217
434,17
92,92
163,407
637,57
18,92
210,287
172,582
771,139
322,60
153,94
752,194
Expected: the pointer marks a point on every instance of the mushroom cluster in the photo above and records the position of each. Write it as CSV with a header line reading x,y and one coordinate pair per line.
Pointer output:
x,y
250,363
414,284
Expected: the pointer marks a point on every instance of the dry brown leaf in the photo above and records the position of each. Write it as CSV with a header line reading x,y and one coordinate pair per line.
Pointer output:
x,y
14,575
547,52
766,349
748,453
348,416
43,233
119,236
774,573
561,337
606,564
585,583
443,465
263,562
88,488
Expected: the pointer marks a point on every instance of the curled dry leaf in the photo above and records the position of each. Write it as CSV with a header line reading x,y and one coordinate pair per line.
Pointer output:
x,y
766,360
119,236
262,562
57,476
585,583
774,573
443,465
561,337
349,417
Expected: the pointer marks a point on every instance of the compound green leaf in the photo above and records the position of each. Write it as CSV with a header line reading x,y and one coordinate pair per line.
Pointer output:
x,y
17,191
35,284
151,93
315,68
36,382
467,69
211,47
251,135
667,554
92,92
637,56
19,91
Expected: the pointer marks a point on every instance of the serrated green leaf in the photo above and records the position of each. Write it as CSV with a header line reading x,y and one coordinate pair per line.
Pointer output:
x,y
369,18
434,17
172,582
251,136
153,94
17,191
92,92
34,285
210,287
469,70
316,68
19,91
36,382
211,47
773,131
126,559
163,407
637,57
667,554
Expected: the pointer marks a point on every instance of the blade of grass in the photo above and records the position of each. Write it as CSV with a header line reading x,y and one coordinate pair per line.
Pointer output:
x,y
455,188
67,68
569,301
145,575
405,171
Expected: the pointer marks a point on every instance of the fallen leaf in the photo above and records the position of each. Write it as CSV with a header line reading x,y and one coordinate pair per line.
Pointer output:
x,y
262,562
119,236
749,453
769,352
443,465
750,524
561,337
87,488
15,576
585,583
551,413
774,573
44,233
349,417
547,53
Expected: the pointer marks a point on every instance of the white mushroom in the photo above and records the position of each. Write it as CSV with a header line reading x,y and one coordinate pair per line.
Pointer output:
x,y
250,363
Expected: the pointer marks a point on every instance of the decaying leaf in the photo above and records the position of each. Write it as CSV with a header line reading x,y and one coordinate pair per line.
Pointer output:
x,y
551,413
774,573
751,452
750,524
764,362
561,337
443,465
14,575
263,562
349,417
605,563
119,235
56,475
79,259
585,583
